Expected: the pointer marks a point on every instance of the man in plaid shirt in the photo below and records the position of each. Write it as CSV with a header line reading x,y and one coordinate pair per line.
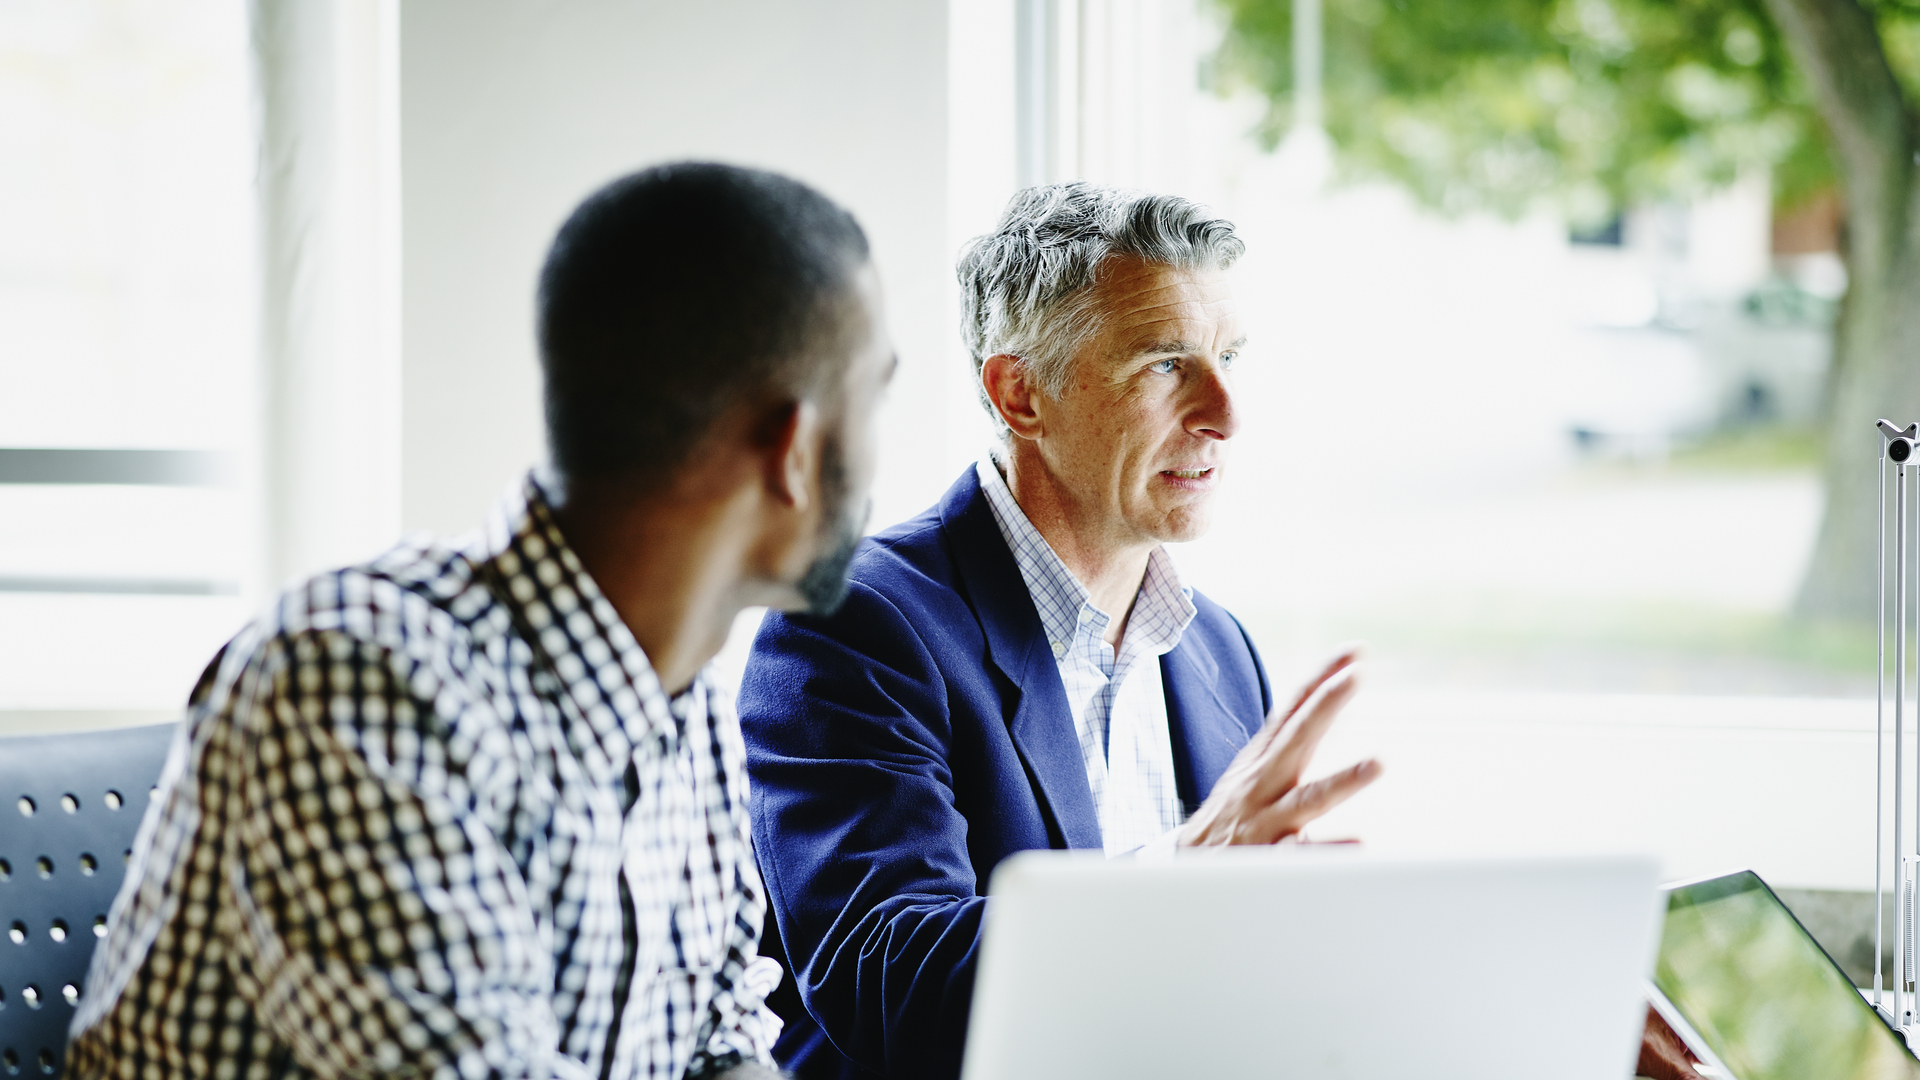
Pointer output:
x,y
473,808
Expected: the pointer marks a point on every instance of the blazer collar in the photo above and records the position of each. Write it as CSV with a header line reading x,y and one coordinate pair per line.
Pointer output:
x,y
1040,723
1203,730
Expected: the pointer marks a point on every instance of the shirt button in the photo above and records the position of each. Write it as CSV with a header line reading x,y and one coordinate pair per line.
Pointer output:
x,y
1059,650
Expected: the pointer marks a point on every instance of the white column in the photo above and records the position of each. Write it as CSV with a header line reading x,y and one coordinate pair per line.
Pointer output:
x,y
327,101
1304,160
1106,91
1033,98
1063,140
1308,112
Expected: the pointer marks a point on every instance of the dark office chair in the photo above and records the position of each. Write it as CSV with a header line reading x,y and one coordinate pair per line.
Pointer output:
x,y
69,807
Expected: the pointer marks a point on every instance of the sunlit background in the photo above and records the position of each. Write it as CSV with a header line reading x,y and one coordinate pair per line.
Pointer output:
x,y
265,290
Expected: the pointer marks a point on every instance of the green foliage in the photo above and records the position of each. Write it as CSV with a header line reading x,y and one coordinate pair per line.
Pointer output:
x,y
1498,104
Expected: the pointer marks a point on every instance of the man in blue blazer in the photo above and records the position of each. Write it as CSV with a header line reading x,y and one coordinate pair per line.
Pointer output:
x,y
1019,666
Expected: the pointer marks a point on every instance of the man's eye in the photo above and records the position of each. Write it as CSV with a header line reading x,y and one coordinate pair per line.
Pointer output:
x,y
1164,367
1227,359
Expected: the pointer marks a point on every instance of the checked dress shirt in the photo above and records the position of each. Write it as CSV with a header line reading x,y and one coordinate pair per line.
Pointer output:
x,y
1119,701
434,816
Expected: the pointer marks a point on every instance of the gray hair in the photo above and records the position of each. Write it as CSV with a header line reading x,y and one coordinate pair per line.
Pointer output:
x,y
1026,288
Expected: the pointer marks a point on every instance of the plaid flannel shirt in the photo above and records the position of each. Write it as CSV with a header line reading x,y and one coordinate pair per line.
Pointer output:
x,y
435,816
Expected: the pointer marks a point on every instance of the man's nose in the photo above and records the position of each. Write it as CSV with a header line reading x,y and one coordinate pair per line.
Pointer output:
x,y
1212,413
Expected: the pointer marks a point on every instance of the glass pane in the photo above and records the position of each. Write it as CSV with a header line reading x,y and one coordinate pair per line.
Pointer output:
x,y
126,218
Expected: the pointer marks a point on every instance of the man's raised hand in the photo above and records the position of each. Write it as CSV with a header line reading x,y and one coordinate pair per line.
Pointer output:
x,y
1260,799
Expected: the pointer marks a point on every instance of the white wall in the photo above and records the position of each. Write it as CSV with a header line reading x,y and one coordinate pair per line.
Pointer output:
x,y
511,112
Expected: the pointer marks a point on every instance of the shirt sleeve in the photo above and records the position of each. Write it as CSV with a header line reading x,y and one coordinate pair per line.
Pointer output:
x,y
741,1027
383,924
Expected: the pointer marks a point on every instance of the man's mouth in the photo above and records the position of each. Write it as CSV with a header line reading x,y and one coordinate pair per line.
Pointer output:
x,y
1187,474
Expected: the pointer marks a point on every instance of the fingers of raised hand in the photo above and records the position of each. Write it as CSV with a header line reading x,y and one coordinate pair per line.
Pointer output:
x,y
1244,806
1333,686
1293,811
1342,658
1289,750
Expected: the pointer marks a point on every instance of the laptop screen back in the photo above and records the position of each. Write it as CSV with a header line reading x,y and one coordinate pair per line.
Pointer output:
x,y
1265,962
1762,993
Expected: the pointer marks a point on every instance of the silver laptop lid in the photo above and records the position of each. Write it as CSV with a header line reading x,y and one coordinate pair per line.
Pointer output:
x,y
1277,962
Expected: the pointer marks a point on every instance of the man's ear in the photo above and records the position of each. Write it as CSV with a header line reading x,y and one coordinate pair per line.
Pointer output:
x,y
1010,387
793,454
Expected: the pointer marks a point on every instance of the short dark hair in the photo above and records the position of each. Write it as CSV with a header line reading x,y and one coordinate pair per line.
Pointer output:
x,y
675,293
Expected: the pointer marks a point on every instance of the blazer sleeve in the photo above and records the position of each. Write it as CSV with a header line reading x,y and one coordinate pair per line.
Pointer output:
x,y
865,854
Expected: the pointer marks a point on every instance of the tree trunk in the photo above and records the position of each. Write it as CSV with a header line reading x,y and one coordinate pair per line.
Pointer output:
x,y
1877,342
1877,347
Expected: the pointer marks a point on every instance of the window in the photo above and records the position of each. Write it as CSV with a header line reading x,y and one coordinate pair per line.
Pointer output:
x,y
126,339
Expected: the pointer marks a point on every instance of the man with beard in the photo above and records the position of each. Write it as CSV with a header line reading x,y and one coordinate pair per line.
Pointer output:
x,y
473,808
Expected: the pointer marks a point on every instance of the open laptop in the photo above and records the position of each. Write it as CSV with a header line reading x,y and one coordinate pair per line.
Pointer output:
x,y
1757,998
1302,963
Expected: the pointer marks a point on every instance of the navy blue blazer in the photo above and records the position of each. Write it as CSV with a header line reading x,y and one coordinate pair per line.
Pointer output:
x,y
901,748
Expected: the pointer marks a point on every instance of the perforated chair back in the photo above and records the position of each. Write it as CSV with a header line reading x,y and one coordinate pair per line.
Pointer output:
x,y
69,808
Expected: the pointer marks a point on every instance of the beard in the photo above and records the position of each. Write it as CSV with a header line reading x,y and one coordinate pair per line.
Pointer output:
x,y
824,583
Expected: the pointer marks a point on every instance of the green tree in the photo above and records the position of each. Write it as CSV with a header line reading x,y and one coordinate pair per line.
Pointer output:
x,y
1594,104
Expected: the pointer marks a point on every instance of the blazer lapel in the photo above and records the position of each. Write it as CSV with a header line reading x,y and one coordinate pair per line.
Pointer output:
x,y
1204,732
1040,722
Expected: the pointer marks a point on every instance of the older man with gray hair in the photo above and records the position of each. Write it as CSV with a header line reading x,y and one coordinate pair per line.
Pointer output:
x,y
1020,666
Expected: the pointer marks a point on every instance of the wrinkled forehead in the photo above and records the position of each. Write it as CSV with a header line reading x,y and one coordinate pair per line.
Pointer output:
x,y
1142,304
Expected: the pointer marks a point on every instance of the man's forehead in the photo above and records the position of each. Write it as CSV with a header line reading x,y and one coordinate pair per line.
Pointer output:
x,y
1156,304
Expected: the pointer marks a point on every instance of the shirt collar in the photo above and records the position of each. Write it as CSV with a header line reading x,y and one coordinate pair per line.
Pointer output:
x,y
617,698
1164,607
1161,611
